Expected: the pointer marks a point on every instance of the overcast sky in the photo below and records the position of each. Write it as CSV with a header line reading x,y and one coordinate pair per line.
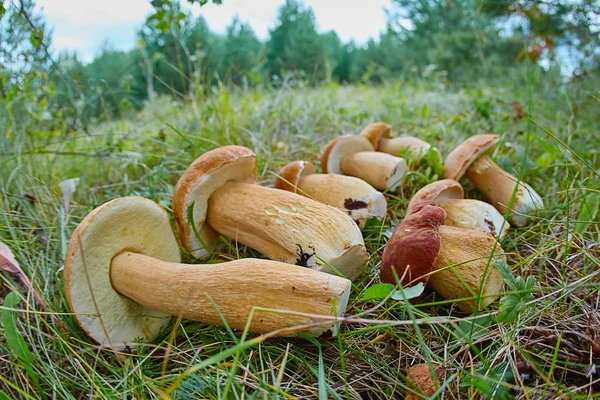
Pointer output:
x,y
84,25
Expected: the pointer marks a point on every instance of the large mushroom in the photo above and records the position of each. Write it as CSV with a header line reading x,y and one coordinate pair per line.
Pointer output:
x,y
123,281
497,185
217,194
354,196
457,263
379,134
355,156
461,212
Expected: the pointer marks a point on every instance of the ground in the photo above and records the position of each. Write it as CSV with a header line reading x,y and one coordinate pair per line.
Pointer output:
x,y
549,137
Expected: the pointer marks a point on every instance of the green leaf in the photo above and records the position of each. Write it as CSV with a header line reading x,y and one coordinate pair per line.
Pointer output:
x,y
425,111
36,38
408,293
433,158
11,333
2,10
377,291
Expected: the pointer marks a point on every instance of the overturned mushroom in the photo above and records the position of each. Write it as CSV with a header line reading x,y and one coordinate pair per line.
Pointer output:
x,y
217,194
355,196
462,213
455,262
495,183
123,281
379,134
355,156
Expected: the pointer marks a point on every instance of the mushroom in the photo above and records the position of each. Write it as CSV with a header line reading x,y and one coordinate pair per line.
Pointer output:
x,y
420,380
352,195
355,156
378,133
453,261
496,184
123,281
461,212
217,194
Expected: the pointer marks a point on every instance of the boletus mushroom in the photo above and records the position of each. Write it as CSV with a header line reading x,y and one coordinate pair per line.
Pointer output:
x,y
379,134
421,382
355,156
461,212
123,280
497,185
352,195
218,195
455,262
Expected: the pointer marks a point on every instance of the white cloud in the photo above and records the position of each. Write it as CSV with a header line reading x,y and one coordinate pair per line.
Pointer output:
x,y
86,24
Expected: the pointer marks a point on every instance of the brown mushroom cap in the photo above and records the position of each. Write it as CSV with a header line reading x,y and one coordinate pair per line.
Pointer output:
x,y
125,224
439,190
461,158
340,147
290,175
414,245
208,173
375,131
419,377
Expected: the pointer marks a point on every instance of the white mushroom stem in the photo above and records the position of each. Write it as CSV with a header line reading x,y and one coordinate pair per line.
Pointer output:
x,y
350,194
288,227
381,170
461,267
498,186
394,145
235,288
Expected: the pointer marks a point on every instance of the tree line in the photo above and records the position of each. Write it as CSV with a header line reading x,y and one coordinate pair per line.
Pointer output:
x,y
178,55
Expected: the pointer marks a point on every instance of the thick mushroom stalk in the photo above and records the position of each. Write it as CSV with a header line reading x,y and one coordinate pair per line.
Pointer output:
x,y
355,156
457,263
217,195
123,281
352,195
462,213
496,184
379,134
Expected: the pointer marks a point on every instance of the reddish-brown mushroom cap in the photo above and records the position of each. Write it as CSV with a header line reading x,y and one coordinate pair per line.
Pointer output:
x,y
413,248
420,379
290,175
461,158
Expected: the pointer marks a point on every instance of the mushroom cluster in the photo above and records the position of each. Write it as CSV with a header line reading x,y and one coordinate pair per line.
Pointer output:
x,y
123,273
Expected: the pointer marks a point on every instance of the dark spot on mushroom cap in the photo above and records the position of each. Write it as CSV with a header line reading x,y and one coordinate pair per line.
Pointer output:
x,y
413,248
490,225
351,204
303,256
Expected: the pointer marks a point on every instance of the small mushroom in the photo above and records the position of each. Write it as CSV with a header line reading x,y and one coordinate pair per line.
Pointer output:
x,y
123,281
217,194
421,381
462,213
355,156
496,184
379,134
352,195
453,261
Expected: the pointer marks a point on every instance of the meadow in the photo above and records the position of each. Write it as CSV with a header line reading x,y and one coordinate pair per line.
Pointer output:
x,y
549,349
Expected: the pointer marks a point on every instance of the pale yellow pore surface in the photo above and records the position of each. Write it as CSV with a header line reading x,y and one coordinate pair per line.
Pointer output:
x,y
128,223
498,186
288,227
199,238
381,170
235,288
352,195
468,251
474,214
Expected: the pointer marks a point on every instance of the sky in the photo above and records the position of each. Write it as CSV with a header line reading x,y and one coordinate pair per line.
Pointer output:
x,y
85,26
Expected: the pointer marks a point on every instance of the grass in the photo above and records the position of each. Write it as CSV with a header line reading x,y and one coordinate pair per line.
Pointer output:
x,y
550,350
